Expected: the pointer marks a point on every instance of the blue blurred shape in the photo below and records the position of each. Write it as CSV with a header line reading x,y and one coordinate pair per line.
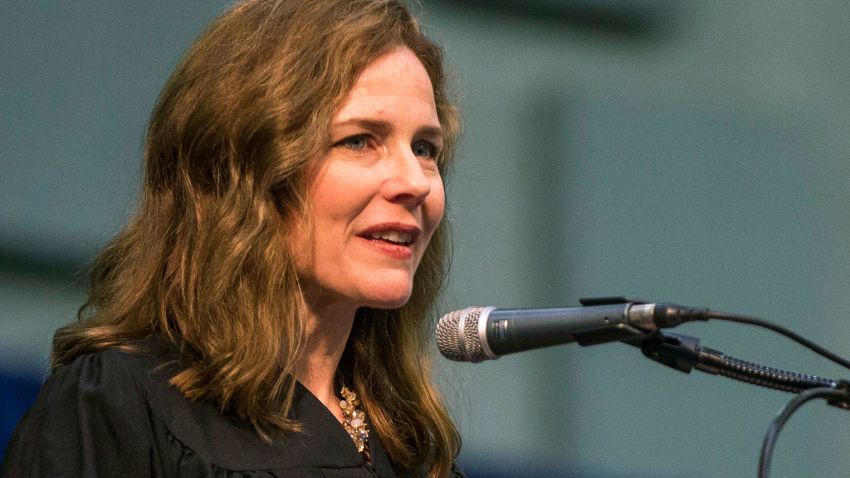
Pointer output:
x,y
17,394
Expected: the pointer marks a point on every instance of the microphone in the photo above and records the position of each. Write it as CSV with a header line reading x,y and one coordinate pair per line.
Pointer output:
x,y
475,334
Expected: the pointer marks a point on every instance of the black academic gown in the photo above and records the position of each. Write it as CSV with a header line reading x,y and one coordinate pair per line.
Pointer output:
x,y
113,413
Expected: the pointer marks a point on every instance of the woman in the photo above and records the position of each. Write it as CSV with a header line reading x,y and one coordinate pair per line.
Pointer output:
x,y
274,289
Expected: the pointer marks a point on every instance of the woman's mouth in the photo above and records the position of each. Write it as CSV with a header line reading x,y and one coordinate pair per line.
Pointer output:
x,y
396,240
393,237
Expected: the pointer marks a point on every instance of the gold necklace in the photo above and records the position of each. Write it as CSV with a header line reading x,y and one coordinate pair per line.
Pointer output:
x,y
353,419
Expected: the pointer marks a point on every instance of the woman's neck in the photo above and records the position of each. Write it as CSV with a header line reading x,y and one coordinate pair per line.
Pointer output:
x,y
328,327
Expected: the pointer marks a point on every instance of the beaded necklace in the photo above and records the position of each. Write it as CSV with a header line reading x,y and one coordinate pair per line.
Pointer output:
x,y
354,420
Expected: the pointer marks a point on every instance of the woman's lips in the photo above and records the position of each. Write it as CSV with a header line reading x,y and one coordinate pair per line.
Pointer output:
x,y
394,239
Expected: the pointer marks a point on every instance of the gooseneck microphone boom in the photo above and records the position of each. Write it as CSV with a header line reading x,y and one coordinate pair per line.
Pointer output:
x,y
475,334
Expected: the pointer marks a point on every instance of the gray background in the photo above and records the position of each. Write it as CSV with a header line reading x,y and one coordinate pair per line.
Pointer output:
x,y
687,151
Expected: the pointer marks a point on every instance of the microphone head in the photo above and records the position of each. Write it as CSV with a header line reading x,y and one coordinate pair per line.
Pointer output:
x,y
461,335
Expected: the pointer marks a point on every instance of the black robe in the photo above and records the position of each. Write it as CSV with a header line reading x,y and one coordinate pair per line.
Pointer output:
x,y
113,413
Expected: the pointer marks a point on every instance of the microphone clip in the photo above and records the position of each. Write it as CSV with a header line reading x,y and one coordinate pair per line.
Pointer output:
x,y
610,300
617,330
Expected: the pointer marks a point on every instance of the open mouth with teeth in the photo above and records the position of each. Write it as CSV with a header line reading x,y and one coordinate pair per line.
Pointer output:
x,y
397,238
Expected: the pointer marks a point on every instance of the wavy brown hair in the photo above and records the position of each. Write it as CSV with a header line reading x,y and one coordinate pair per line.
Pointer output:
x,y
204,263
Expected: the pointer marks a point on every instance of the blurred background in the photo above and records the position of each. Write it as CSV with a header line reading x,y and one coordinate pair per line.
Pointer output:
x,y
695,152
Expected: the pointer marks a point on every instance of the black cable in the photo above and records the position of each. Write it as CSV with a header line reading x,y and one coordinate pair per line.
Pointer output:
x,y
744,319
779,421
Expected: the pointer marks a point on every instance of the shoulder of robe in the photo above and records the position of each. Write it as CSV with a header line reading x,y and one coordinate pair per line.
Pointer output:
x,y
89,419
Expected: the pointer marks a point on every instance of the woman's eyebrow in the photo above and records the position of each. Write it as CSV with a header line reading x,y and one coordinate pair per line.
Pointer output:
x,y
431,132
384,127
377,126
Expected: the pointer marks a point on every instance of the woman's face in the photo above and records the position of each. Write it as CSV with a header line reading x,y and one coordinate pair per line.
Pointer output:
x,y
376,195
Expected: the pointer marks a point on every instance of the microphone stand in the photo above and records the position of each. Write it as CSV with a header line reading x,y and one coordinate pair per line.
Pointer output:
x,y
684,353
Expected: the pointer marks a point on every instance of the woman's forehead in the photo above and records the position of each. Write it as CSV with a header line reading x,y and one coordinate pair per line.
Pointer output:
x,y
394,80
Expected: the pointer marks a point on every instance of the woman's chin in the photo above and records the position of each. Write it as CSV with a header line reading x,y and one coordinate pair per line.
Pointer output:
x,y
389,299
389,303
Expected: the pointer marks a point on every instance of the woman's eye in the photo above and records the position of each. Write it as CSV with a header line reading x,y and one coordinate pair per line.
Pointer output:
x,y
425,149
357,142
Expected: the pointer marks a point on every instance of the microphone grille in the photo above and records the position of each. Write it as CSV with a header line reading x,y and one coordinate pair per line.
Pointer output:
x,y
457,335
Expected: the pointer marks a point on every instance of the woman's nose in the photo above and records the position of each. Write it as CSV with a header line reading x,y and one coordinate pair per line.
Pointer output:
x,y
407,181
